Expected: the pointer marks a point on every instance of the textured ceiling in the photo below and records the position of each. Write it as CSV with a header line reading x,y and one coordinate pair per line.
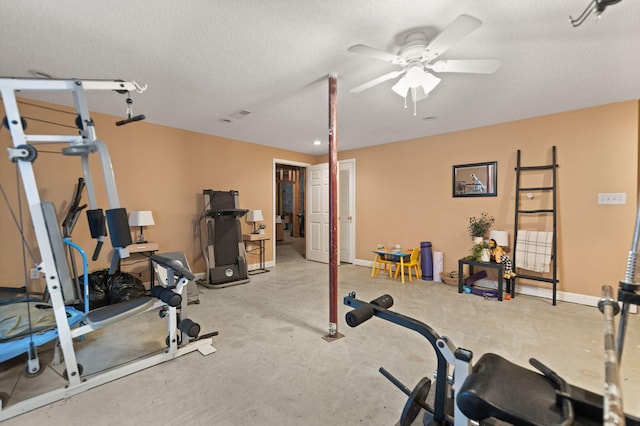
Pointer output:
x,y
208,59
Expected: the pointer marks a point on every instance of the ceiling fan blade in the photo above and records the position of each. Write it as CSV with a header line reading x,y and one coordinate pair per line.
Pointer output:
x,y
378,54
476,66
456,31
376,81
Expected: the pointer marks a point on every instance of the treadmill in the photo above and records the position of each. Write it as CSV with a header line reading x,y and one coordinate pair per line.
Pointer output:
x,y
223,252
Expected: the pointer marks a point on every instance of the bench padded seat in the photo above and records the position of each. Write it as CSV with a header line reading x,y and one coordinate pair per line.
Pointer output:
x,y
506,391
109,314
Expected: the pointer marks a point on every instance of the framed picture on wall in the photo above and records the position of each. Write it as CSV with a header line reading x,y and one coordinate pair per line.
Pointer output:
x,y
475,180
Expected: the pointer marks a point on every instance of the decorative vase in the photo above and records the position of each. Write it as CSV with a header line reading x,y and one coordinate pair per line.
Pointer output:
x,y
486,255
478,240
260,231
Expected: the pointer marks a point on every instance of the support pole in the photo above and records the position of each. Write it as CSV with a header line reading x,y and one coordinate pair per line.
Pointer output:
x,y
333,210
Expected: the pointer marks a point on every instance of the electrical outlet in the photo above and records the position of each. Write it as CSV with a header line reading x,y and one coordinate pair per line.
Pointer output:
x,y
612,198
35,274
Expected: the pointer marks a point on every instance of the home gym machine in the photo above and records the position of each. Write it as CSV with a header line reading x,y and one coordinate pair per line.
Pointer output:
x,y
224,253
182,335
495,389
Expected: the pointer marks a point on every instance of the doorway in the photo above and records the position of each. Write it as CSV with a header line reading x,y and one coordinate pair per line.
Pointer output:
x,y
289,207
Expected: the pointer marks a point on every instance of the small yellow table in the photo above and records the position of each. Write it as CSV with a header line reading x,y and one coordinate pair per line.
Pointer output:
x,y
384,254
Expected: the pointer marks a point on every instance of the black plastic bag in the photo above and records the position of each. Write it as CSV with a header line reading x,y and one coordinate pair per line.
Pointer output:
x,y
124,286
98,289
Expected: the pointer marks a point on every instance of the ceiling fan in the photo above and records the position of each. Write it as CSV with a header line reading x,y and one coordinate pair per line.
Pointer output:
x,y
417,57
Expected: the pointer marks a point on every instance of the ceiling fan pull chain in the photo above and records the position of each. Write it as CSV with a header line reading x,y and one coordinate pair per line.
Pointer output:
x,y
414,93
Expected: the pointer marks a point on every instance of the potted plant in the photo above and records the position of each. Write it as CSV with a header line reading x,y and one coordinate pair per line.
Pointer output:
x,y
480,253
476,252
479,226
261,228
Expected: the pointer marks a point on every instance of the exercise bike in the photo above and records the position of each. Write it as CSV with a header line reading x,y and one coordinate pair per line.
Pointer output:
x,y
494,389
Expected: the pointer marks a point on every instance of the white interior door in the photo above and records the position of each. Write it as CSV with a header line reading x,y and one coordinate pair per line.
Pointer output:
x,y
346,223
318,213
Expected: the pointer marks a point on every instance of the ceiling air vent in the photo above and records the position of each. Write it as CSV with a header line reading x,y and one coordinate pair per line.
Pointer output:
x,y
242,113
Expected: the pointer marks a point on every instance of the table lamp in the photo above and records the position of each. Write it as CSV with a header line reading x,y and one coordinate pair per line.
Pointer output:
x,y
141,219
254,216
500,237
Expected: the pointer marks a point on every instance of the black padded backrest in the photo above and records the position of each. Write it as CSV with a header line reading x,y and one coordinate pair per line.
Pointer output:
x,y
503,390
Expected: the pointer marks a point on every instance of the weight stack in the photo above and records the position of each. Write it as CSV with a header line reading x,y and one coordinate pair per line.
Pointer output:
x,y
426,261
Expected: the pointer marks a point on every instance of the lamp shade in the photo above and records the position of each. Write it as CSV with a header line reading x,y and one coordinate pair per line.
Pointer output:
x,y
255,216
501,237
141,218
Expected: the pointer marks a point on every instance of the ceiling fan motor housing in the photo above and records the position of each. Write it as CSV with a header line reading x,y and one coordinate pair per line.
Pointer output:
x,y
414,48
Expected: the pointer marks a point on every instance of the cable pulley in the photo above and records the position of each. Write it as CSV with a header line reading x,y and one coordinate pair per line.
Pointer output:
x,y
5,123
23,153
79,125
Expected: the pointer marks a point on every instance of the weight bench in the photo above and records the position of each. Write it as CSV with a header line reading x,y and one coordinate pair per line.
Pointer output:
x,y
494,389
500,389
503,390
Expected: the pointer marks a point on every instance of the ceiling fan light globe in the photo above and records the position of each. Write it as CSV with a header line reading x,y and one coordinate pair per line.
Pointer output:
x,y
429,82
415,76
401,87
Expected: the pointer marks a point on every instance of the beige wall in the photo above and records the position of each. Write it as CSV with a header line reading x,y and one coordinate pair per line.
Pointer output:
x,y
157,168
403,189
404,193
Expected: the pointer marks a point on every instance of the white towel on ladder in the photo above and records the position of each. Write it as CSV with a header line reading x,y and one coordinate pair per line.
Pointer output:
x,y
533,250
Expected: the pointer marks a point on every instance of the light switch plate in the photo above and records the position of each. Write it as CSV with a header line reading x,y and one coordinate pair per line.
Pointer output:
x,y
612,198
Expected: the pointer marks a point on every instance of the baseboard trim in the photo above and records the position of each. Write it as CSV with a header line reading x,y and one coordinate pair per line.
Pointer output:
x,y
360,262
529,290
254,266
